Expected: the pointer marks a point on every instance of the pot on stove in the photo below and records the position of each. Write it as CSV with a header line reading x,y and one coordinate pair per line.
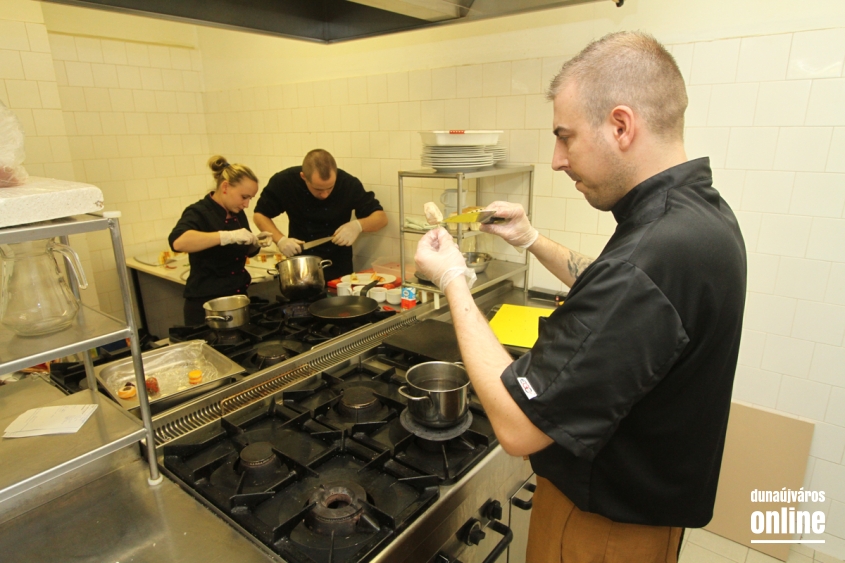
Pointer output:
x,y
227,312
437,393
301,277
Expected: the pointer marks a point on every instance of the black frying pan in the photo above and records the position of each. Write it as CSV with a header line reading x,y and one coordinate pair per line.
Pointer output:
x,y
346,308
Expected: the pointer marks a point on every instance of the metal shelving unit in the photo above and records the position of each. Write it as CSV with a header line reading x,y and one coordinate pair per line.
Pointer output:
x,y
26,463
497,270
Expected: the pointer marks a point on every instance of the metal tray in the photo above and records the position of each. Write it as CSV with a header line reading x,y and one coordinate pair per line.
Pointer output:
x,y
170,362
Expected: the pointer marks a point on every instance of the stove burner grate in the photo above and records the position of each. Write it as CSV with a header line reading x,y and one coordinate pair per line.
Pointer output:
x,y
434,434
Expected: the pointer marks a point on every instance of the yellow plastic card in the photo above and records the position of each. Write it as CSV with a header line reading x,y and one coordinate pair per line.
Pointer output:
x,y
516,325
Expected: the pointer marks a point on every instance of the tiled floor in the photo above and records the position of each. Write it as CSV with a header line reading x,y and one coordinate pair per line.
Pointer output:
x,y
701,546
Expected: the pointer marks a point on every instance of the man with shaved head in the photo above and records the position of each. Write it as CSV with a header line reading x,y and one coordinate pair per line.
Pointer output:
x,y
622,404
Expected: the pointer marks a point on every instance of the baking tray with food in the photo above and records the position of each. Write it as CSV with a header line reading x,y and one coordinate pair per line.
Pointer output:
x,y
173,373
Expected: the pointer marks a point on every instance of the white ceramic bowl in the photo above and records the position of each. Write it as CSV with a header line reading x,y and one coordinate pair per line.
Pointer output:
x,y
377,293
394,296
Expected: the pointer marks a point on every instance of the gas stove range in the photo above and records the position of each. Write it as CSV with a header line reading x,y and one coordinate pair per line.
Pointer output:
x,y
275,332
326,471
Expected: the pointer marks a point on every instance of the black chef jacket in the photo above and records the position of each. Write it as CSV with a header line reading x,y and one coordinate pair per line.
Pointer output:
x,y
311,218
220,270
632,376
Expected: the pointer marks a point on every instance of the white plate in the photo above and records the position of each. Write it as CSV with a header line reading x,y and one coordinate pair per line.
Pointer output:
x,y
461,168
367,277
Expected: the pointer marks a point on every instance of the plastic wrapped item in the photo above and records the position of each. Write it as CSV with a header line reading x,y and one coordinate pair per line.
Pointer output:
x,y
12,155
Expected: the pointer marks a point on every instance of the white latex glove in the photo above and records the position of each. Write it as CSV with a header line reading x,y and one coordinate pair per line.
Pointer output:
x,y
440,259
517,230
241,236
346,234
265,239
289,246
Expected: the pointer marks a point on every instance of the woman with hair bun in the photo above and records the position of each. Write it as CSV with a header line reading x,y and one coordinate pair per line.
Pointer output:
x,y
216,235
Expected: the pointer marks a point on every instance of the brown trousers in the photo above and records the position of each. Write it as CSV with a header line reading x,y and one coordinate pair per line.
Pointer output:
x,y
561,533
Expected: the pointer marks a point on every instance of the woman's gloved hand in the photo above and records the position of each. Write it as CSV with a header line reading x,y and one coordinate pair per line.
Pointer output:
x,y
346,234
241,236
440,259
265,239
289,246
517,230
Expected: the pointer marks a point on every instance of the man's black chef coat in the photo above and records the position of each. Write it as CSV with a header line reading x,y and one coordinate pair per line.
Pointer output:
x,y
220,270
632,376
310,218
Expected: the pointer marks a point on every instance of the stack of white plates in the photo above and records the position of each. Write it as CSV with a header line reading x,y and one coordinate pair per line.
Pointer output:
x,y
500,152
457,158
460,150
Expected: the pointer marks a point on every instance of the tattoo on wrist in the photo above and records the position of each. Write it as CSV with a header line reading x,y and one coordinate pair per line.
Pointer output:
x,y
578,263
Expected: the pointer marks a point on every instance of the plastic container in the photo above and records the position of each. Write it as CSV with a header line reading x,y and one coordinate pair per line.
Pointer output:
x,y
460,137
390,266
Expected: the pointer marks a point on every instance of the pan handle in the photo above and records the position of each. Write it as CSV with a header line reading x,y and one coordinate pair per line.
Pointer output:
x,y
225,319
402,391
366,289
325,264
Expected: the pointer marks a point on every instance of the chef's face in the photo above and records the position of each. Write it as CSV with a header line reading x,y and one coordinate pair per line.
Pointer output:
x,y
586,153
319,188
236,197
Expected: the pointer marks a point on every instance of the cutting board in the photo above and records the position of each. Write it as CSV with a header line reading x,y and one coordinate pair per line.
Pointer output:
x,y
435,340
517,325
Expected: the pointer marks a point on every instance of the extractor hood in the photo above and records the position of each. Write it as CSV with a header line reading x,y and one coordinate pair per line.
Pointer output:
x,y
324,21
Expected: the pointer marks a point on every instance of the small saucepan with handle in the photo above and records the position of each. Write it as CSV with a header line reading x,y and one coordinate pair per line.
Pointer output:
x,y
228,312
437,393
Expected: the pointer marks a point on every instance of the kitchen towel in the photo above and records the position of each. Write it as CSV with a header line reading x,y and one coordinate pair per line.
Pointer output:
x,y
517,325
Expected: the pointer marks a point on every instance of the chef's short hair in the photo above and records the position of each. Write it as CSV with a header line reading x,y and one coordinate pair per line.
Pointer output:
x,y
319,161
627,68
232,173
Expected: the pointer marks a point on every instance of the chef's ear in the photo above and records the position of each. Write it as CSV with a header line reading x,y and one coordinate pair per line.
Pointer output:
x,y
224,186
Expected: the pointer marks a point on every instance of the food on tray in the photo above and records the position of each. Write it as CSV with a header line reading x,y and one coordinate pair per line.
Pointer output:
x,y
152,385
432,213
127,391
195,376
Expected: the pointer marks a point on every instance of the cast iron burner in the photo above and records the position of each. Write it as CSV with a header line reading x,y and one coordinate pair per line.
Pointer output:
x,y
358,402
259,462
337,508
269,353
227,336
434,434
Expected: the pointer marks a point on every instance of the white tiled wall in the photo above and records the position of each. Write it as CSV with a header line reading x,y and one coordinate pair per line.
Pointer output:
x,y
135,123
772,106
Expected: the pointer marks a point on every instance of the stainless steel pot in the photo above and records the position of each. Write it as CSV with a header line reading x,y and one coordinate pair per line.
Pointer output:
x,y
437,393
227,312
301,277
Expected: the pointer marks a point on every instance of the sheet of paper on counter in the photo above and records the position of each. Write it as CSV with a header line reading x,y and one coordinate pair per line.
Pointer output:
x,y
517,325
66,419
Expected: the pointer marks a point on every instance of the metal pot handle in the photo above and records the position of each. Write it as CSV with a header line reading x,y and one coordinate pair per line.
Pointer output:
x,y
405,394
325,264
225,319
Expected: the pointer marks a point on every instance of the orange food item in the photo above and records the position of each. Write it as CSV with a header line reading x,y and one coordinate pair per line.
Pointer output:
x,y
194,376
127,391
152,385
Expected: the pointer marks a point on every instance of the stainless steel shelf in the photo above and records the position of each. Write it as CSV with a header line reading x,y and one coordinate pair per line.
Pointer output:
x,y
90,329
57,227
26,463
497,270
485,173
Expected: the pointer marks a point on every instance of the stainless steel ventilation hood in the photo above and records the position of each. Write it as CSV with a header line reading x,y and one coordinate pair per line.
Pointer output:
x,y
324,21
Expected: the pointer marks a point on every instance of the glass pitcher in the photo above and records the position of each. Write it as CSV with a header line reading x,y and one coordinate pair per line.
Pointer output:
x,y
35,299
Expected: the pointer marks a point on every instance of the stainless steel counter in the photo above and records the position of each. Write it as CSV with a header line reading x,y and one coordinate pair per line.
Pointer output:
x,y
119,518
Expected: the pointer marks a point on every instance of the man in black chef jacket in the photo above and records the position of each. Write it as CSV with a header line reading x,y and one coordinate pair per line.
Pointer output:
x,y
622,403
319,199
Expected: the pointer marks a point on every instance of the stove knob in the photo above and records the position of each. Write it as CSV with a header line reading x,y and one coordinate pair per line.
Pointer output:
x,y
474,533
493,510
